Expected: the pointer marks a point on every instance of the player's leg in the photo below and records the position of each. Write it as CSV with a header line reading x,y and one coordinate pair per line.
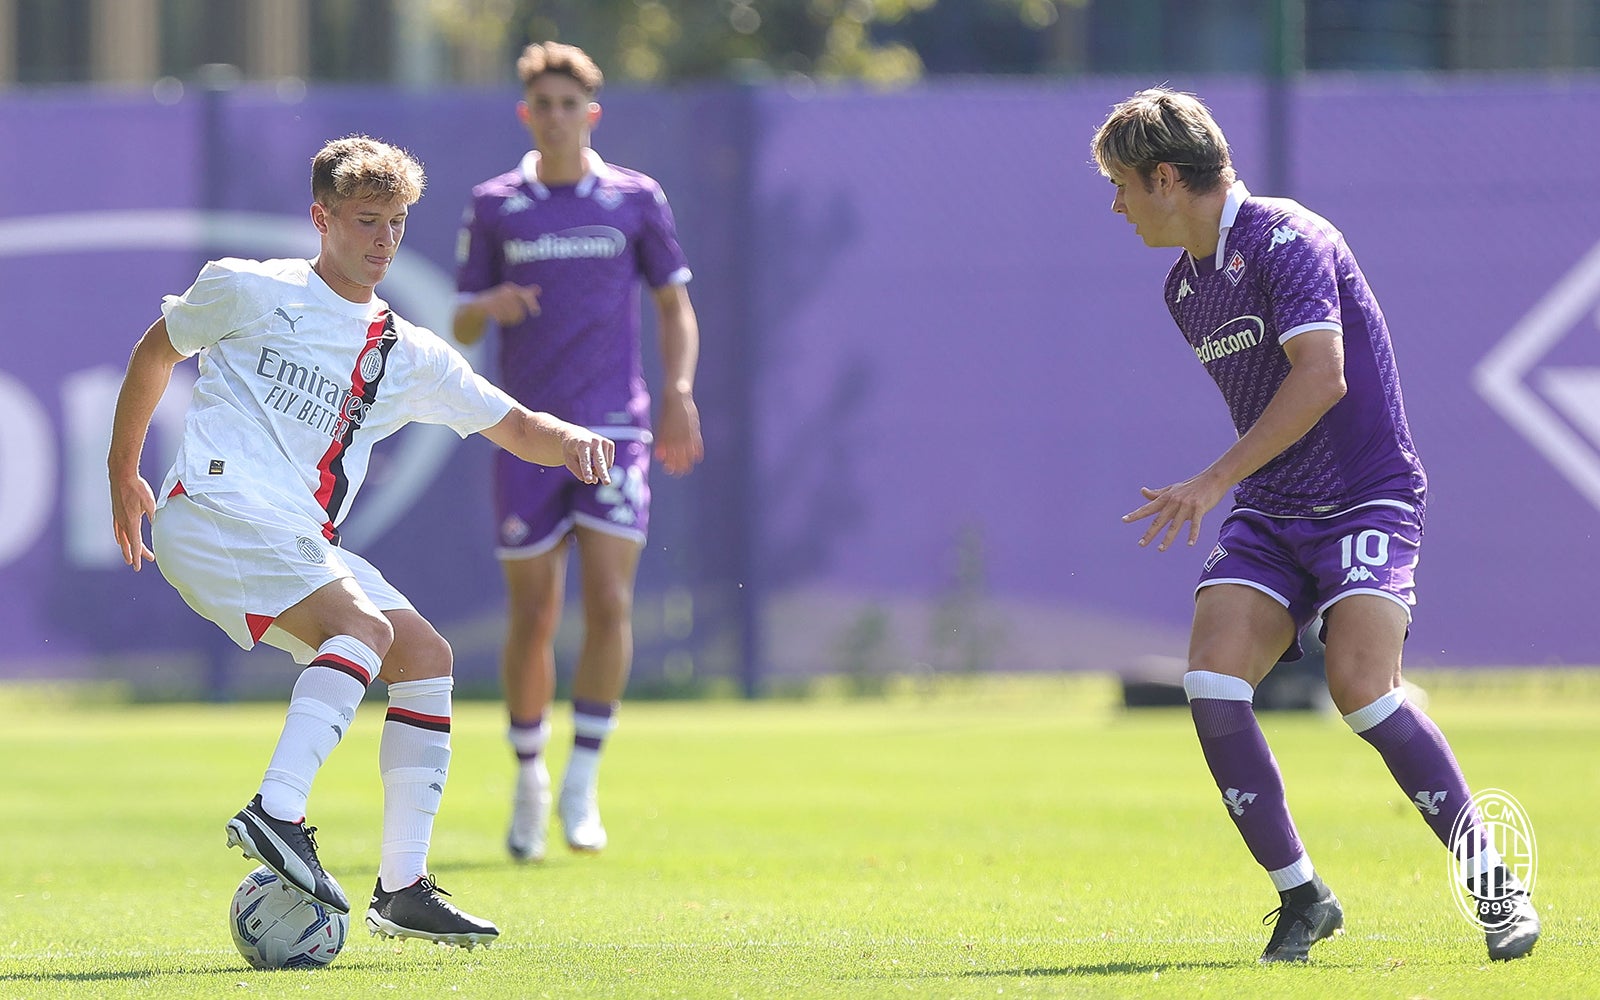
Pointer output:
x,y
534,590
1366,633
414,761
349,636
1239,633
609,565
612,522
533,521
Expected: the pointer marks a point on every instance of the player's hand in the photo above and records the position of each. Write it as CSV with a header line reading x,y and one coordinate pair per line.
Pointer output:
x,y
509,303
679,446
1171,507
131,503
589,456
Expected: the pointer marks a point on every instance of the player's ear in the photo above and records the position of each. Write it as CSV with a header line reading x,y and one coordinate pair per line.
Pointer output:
x,y
522,112
594,114
319,217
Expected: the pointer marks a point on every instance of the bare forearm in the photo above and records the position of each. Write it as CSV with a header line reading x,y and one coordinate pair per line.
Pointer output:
x,y
1304,397
149,372
680,340
534,437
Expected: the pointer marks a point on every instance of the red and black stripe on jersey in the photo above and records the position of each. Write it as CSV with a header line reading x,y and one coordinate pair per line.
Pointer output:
x,y
333,484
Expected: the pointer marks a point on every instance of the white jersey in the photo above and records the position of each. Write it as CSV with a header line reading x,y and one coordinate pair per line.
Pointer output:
x,y
298,383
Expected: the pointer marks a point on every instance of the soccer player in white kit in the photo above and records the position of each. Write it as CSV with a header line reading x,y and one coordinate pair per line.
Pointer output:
x,y
302,370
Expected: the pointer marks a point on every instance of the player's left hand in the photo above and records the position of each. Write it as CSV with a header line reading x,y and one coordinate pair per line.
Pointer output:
x,y
679,445
1171,507
589,456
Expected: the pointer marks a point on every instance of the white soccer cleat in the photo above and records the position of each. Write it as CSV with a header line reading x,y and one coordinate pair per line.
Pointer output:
x,y
530,814
580,819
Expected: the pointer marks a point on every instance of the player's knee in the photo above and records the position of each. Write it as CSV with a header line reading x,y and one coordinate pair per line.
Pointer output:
x,y
372,629
534,621
608,608
418,654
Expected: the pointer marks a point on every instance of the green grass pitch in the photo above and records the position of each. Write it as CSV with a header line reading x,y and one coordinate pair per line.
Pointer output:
x,y
994,837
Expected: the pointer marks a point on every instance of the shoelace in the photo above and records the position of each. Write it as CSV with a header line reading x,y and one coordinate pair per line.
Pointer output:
x,y
1282,930
428,885
310,833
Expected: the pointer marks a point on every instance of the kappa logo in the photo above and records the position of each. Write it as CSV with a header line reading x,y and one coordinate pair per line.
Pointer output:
x,y
1235,268
291,320
1184,290
518,202
1281,236
1237,800
1358,574
1428,802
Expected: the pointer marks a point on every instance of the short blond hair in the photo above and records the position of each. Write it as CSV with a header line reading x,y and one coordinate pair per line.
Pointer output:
x,y
360,166
1160,125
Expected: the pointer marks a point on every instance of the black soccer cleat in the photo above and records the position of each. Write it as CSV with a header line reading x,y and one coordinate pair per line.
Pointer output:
x,y
1302,924
419,911
1515,933
289,849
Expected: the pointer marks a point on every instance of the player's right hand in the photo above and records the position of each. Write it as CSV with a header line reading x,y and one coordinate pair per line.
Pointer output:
x,y
131,503
508,302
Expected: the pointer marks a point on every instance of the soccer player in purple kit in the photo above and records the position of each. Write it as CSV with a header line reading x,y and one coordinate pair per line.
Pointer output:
x,y
1329,499
553,252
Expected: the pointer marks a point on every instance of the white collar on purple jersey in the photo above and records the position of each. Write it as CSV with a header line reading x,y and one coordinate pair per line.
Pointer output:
x,y
1230,211
530,173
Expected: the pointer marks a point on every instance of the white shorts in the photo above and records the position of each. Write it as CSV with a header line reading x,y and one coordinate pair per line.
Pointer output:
x,y
241,564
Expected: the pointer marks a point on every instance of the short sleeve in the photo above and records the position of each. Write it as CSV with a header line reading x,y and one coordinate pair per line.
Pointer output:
x,y
447,390
661,259
213,307
1302,278
477,268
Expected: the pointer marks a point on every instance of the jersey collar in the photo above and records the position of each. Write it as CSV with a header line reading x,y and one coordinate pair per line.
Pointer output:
x,y
1230,213
530,174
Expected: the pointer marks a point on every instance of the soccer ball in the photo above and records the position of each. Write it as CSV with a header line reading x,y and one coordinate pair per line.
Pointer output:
x,y
276,927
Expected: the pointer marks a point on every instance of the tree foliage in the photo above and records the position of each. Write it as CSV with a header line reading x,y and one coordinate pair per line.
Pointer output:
x,y
883,42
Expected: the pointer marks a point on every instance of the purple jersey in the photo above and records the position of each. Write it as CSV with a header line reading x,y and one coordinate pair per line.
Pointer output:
x,y
1280,271
586,246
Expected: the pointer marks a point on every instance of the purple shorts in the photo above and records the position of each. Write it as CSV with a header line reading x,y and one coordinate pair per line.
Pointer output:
x,y
537,506
1308,564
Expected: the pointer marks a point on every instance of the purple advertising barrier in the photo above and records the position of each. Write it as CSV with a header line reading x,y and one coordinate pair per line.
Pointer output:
x,y
83,265
967,371
936,367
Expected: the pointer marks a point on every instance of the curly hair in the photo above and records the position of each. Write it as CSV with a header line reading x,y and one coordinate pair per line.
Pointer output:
x,y
360,166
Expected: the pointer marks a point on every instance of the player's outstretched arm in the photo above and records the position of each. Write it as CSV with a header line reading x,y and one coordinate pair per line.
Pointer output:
x,y
1314,384
149,372
679,445
544,439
